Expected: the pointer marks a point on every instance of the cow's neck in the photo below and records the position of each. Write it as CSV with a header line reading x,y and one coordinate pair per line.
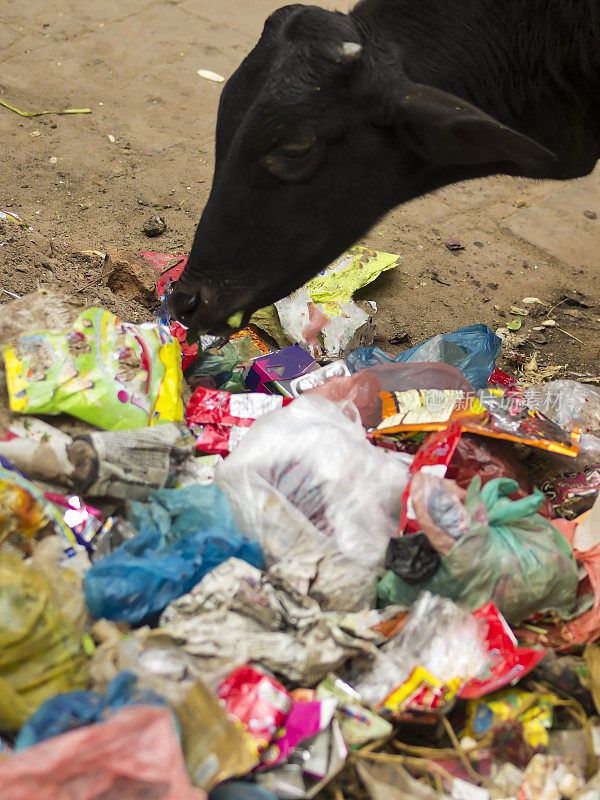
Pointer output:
x,y
532,64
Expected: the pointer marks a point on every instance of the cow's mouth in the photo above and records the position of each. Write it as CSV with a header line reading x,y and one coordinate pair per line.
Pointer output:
x,y
202,317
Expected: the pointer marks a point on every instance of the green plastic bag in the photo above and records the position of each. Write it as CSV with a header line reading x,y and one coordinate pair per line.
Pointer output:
x,y
41,653
518,560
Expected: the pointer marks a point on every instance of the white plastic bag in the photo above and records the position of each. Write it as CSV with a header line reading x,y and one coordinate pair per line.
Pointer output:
x,y
308,485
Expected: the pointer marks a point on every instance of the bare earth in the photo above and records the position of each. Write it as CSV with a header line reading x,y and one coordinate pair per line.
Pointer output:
x,y
134,64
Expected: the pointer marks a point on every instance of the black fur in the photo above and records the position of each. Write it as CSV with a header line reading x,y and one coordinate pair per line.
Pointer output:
x,y
315,143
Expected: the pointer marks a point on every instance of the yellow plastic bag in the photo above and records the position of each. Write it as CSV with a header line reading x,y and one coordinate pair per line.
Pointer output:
x,y
41,654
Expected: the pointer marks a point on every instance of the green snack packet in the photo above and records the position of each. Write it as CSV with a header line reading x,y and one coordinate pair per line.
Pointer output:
x,y
110,373
358,724
356,268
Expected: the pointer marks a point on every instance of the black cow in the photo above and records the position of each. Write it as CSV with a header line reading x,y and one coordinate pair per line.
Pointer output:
x,y
333,119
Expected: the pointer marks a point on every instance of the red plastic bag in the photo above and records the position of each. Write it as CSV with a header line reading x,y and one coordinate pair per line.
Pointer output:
x,y
511,662
491,458
133,756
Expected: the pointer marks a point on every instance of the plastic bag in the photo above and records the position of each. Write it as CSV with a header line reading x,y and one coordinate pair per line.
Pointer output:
x,y
181,539
71,710
109,373
321,461
363,387
41,653
517,559
133,756
473,350
439,637
412,558
240,790
584,536
491,458
306,481
569,403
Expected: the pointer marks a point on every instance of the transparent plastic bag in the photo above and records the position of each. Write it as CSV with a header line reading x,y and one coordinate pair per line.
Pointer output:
x,y
440,637
517,559
306,479
569,403
438,505
320,460
473,350
363,387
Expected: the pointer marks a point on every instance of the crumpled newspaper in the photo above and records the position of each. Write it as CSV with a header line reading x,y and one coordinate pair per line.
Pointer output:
x,y
237,614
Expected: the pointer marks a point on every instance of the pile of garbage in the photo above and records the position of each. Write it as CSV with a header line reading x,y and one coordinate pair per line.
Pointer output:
x,y
290,564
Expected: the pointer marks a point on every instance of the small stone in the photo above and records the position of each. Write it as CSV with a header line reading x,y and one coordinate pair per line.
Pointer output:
x,y
549,323
154,226
454,244
539,338
590,214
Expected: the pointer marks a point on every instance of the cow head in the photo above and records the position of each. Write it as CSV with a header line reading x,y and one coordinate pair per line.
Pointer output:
x,y
319,133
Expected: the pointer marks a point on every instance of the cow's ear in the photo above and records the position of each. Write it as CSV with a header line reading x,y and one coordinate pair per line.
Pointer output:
x,y
443,129
275,20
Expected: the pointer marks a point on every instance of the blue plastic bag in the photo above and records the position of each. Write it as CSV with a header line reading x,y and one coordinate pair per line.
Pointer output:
x,y
71,710
174,513
240,790
137,581
473,350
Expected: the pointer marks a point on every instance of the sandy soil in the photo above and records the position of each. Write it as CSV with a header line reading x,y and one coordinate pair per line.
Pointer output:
x,y
89,182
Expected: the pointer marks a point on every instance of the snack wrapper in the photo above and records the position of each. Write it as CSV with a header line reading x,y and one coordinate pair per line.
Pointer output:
x,y
304,721
24,511
358,724
222,408
219,419
214,747
571,495
489,412
421,692
353,270
534,712
218,440
110,373
259,702
509,663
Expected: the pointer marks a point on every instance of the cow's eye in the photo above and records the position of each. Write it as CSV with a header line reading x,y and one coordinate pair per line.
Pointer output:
x,y
293,161
295,151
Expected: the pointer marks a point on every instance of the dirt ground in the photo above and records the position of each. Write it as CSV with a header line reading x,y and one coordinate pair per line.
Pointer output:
x,y
89,182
